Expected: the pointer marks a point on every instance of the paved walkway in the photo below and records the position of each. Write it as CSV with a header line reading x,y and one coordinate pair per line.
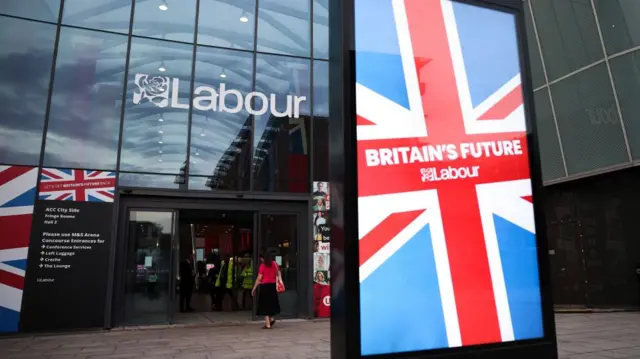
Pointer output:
x,y
583,336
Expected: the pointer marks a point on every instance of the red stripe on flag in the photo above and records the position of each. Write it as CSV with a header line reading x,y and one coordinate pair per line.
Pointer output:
x,y
505,106
528,198
106,194
81,194
63,196
470,272
12,173
50,174
464,234
12,280
361,121
384,232
15,231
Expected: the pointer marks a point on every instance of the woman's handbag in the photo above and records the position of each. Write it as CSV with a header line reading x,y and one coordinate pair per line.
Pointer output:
x,y
279,285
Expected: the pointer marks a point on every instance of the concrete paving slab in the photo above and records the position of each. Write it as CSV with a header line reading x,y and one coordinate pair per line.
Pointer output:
x,y
580,336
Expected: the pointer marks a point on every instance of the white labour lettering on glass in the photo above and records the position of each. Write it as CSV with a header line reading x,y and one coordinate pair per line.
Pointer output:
x,y
164,91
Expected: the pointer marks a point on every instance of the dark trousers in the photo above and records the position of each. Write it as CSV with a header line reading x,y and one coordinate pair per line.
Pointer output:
x,y
245,293
221,293
213,294
185,297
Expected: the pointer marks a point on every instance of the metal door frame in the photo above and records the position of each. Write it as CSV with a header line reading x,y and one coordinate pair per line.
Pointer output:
x,y
151,200
125,217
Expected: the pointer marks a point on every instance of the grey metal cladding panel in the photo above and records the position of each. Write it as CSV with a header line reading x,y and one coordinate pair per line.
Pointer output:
x,y
619,24
588,121
568,35
537,73
626,76
550,154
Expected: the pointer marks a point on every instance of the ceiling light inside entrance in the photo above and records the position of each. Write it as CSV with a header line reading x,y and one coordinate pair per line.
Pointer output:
x,y
244,17
163,6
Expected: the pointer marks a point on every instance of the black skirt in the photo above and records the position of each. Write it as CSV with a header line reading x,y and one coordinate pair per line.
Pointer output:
x,y
268,301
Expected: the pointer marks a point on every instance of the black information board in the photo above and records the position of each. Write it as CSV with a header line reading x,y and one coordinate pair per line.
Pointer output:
x,y
66,274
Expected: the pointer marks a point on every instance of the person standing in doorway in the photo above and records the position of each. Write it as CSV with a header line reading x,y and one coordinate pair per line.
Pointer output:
x,y
268,301
187,280
247,282
225,283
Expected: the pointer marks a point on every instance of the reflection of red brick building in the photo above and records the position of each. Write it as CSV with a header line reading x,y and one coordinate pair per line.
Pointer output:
x,y
281,160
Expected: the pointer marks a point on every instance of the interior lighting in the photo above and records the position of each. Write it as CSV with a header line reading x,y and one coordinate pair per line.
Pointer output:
x,y
244,17
162,68
163,6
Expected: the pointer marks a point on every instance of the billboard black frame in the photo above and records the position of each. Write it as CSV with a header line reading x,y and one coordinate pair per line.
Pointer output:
x,y
345,286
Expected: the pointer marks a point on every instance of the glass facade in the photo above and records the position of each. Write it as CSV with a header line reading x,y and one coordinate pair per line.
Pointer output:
x,y
232,95
585,69
190,94
224,96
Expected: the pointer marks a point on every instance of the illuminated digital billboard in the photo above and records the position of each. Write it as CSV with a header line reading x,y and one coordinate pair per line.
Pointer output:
x,y
447,245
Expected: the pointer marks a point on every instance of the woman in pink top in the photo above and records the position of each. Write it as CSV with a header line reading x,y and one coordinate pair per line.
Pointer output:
x,y
268,301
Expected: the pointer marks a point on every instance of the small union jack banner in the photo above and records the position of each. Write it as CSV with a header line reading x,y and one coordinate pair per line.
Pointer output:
x,y
77,185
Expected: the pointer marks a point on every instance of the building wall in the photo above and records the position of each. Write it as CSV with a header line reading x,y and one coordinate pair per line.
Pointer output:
x,y
105,86
586,74
592,226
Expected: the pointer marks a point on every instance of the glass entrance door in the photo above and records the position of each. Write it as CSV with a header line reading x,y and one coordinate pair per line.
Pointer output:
x,y
148,283
278,234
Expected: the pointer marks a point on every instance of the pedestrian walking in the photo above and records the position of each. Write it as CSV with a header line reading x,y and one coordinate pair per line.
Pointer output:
x,y
267,283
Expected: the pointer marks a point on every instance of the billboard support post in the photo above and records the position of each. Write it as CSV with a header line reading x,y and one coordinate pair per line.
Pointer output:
x,y
439,244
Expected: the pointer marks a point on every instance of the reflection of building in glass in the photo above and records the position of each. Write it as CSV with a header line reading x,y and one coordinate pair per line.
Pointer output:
x,y
281,158
230,167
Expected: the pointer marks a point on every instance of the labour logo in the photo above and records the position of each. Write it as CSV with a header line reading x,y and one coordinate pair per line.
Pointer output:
x,y
155,89
428,174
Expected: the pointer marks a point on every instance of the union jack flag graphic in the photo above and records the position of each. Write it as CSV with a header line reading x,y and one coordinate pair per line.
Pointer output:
x,y
17,196
447,258
77,185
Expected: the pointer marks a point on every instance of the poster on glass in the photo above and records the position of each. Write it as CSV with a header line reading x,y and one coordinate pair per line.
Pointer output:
x,y
321,248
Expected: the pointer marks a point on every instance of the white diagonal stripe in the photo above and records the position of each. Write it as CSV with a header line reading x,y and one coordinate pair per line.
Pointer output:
x,y
16,211
10,297
13,270
18,186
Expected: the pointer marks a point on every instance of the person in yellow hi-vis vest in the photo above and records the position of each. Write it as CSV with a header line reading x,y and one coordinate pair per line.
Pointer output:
x,y
224,283
247,283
